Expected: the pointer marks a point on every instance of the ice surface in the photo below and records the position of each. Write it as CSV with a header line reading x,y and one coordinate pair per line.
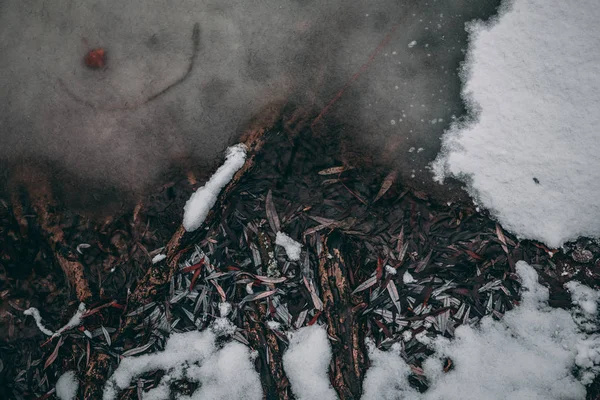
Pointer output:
x,y
202,200
292,248
67,385
531,153
531,353
306,363
251,57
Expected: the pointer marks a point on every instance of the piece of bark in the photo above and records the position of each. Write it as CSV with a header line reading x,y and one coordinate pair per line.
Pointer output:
x,y
273,379
95,376
347,331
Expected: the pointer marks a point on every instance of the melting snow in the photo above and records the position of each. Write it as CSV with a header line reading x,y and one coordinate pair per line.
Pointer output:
x,y
158,258
225,372
531,353
197,207
531,154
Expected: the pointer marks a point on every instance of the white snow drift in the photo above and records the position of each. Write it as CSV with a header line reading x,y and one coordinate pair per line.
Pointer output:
x,y
531,152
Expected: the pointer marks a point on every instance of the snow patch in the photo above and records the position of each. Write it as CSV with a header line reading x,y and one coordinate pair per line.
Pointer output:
x,y
291,247
531,353
407,277
223,372
531,153
67,386
202,200
306,362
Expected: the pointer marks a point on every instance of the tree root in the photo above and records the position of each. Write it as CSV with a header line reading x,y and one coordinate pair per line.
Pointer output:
x,y
349,359
37,185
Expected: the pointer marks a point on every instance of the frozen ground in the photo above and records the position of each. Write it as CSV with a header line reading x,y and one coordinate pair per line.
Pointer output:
x,y
99,124
530,150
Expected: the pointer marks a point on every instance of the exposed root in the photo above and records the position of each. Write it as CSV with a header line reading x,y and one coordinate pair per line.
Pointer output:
x,y
37,185
349,359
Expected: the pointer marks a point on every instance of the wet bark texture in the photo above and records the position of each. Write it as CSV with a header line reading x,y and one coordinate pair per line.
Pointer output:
x,y
344,328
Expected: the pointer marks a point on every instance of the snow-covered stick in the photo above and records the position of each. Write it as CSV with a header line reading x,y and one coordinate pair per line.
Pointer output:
x,y
199,205
74,322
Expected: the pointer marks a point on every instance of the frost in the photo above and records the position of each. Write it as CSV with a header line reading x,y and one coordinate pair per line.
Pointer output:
x,y
75,320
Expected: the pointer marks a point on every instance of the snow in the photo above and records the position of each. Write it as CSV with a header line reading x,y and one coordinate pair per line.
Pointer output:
x,y
291,247
407,278
584,297
532,353
306,362
75,321
390,270
67,386
224,309
202,200
225,372
158,258
35,313
530,153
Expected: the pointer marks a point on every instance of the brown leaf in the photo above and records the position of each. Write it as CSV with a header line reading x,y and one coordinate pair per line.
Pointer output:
x,y
272,216
54,354
366,284
313,294
332,170
501,237
393,291
423,264
258,296
387,184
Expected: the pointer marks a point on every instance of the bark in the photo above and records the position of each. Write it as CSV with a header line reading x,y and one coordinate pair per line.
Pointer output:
x,y
274,382
346,330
